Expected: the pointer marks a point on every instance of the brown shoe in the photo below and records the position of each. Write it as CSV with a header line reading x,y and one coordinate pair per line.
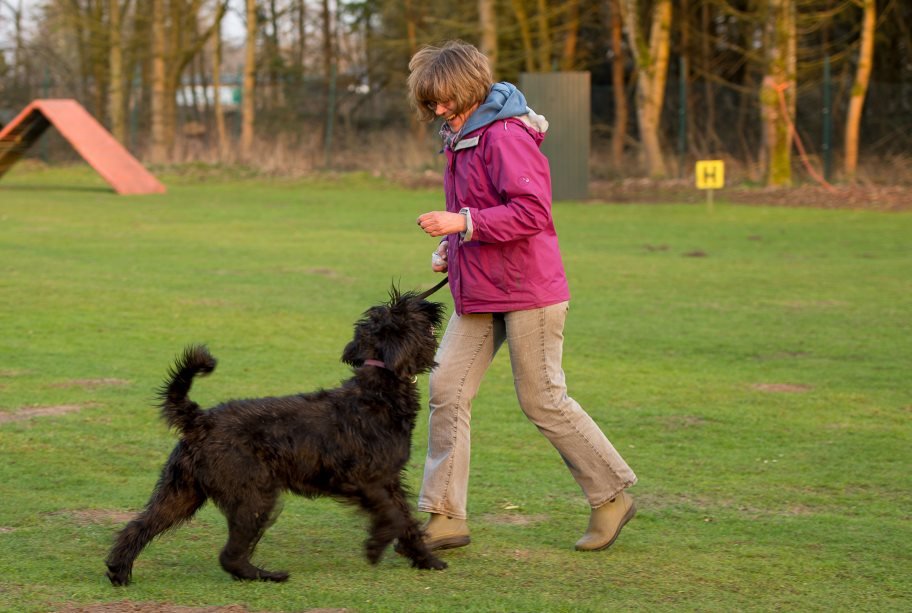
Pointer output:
x,y
606,522
442,532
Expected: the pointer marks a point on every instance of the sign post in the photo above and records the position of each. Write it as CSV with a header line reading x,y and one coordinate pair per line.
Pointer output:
x,y
710,175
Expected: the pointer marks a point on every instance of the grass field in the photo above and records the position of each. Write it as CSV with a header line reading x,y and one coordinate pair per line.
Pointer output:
x,y
752,364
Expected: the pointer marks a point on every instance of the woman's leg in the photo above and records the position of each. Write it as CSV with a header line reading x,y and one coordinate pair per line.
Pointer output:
x,y
536,338
465,352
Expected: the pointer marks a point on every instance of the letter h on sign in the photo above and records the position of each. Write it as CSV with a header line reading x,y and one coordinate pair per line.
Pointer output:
x,y
710,174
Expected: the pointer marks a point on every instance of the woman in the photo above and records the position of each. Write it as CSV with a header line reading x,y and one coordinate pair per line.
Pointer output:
x,y
501,252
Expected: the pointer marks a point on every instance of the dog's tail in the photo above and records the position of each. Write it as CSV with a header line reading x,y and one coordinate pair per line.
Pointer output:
x,y
176,407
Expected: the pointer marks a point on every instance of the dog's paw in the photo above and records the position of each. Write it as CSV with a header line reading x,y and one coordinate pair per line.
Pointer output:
x,y
431,563
277,576
118,578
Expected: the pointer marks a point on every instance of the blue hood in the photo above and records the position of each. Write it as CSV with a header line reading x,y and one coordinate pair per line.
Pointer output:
x,y
504,101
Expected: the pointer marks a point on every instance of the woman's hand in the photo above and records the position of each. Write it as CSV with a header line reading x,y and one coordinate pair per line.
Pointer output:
x,y
439,258
441,223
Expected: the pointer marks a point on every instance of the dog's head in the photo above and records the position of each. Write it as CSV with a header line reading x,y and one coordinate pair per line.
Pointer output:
x,y
400,333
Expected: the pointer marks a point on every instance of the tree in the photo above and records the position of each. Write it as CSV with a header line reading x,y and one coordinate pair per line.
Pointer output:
x,y
117,107
651,58
777,94
571,36
248,107
618,85
158,151
860,87
220,129
525,34
487,21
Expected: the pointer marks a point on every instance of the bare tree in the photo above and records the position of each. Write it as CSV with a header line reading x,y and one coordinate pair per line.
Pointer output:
x,y
220,129
860,88
158,151
117,107
651,58
571,35
525,34
777,94
544,37
248,107
487,21
619,87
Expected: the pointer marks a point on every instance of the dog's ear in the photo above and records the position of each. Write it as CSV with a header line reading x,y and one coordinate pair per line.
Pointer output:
x,y
352,354
397,356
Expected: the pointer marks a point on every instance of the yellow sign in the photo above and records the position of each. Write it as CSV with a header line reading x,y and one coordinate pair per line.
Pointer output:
x,y
710,174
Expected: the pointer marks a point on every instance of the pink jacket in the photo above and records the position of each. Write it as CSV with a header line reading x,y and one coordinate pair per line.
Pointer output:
x,y
509,259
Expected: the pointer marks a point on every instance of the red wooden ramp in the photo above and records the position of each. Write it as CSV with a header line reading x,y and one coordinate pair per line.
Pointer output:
x,y
89,138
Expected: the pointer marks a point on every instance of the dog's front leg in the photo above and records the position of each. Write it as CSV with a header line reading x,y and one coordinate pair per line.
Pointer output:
x,y
385,521
390,519
411,541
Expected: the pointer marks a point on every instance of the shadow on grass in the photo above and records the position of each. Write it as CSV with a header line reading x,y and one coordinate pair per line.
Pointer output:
x,y
57,188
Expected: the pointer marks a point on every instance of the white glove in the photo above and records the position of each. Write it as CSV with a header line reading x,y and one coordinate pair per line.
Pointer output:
x,y
439,258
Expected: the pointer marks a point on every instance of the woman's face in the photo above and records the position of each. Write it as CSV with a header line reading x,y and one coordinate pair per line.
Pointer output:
x,y
445,110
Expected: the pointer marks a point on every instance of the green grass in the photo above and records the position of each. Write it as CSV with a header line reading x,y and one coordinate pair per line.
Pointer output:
x,y
761,392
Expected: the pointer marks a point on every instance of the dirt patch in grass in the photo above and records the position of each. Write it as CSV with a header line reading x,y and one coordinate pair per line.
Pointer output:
x,y
679,422
323,272
87,517
514,519
91,383
25,414
868,197
781,388
127,606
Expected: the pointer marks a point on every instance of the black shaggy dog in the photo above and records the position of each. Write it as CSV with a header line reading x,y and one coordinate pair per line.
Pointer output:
x,y
350,443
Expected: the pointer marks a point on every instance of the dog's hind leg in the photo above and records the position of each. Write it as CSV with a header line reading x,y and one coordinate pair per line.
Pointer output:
x,y
247,521
391,518
175,500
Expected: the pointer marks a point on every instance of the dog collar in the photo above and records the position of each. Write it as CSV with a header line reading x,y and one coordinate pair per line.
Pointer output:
x,y
379,364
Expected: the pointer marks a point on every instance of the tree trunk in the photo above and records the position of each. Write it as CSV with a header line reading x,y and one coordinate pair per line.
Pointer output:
x,y
247,97
329,83
651,57
525,34
419,128
544,37
618,86
221,131
116,101
777,94
300,17
860,88
571,37
158,152
711,139
487,21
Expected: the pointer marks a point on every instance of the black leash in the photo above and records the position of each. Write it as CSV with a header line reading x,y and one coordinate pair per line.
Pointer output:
x,y
423,295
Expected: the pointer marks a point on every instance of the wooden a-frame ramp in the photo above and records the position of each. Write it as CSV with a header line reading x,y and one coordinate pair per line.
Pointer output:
x,y
88,137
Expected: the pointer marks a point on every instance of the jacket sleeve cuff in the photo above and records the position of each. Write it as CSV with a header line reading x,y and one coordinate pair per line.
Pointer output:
x,y
467,235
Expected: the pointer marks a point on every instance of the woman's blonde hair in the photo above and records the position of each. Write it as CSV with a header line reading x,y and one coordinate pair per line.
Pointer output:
x,y
455,72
